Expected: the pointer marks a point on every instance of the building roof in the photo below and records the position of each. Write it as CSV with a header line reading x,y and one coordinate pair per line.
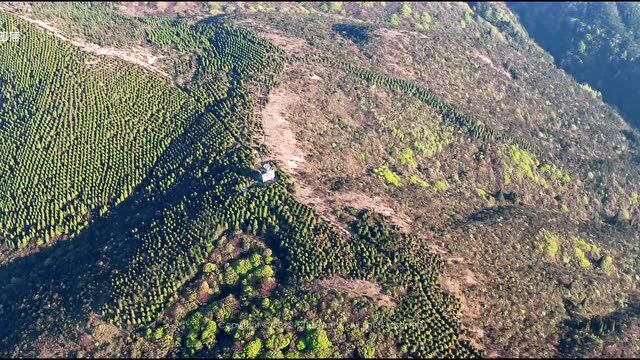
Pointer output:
x,y
268,175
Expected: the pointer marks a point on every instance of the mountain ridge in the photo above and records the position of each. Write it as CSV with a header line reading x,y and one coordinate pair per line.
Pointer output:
x,y
403,119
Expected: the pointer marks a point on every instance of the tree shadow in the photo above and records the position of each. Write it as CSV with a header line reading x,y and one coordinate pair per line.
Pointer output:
x,y
54,291
582,335
359,34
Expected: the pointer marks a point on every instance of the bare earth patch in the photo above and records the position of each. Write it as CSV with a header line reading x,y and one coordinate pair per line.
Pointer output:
x,y
161,8
278,134
359,200
488,61
286,150
290,45
456,278
356,288
396,56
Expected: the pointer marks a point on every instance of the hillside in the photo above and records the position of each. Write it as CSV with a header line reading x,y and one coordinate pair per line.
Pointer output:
x,y
597,43
442,190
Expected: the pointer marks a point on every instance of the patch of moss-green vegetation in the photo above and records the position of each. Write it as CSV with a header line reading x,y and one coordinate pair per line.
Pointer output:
x,y
606,264
588,246
416,180
554,173
406,157
389,176
578,251
582,259
551,244
433,140
441,185
591,91
585,200
584,249
483,194
343,122
522,166
624,214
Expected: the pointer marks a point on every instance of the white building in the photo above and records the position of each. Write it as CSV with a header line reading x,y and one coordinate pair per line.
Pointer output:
x,y
267,173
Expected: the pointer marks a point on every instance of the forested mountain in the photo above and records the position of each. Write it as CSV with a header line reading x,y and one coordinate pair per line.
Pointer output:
x,y
596,42
442,188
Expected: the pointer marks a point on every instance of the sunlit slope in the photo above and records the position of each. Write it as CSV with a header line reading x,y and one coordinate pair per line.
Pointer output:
x,y
131,266
77,133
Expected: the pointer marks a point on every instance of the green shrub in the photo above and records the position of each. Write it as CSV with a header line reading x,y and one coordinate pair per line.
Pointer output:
x,y
416,180
406,9
252,349
159,333
426,20
591,91
318,341
343,122
554,173
230,276
210,268
441,185
395,20
406,157
389,176
208,335
243,266
588,247
582,258
301,345
551,246
265,271
624,214
193,344
522,165
369,351
481,193
606,264
336,6
585,200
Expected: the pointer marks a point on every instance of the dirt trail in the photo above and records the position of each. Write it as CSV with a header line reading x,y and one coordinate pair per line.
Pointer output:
x,y
137,55
379,205
487,60
357,288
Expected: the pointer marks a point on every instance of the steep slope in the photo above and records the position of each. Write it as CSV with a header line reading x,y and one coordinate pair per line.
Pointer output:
x,y
61,116
200,200
597,43
378,137
446,118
